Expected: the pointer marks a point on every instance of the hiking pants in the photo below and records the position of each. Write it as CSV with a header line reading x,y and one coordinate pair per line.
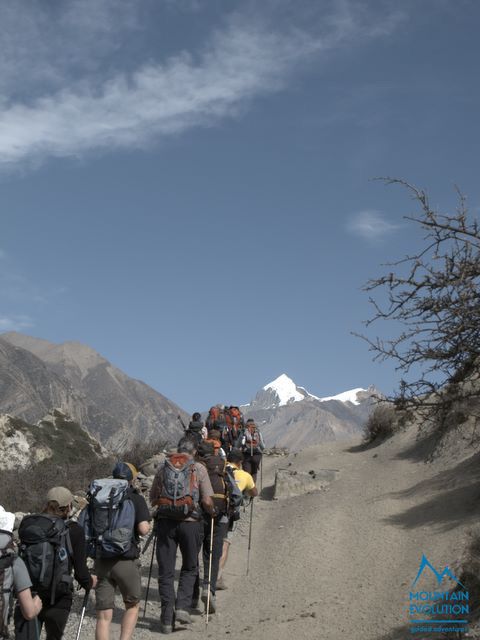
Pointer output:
x,y
172,534
53,616
219,535
251,463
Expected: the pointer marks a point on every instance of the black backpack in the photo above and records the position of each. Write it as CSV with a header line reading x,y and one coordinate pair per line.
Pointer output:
x,y
45,548
215,466
7,558
234,495
194,435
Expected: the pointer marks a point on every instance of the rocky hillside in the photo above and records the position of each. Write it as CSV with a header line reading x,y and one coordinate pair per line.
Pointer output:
x,y
55,437
290,416
36,374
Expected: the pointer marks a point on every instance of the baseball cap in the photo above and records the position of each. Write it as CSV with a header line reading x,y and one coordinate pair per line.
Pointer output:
x,y
7,520
61,495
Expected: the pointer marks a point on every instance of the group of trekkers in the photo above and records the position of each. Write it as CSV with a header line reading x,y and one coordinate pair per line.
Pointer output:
x,y
196,498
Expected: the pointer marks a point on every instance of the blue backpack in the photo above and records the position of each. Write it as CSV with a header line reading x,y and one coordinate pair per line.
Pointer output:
x,y
109,520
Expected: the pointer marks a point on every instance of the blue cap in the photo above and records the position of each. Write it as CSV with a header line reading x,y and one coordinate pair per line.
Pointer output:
x,y
121,471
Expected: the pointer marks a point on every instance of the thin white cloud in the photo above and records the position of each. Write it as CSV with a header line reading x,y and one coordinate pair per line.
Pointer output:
x,y
133,109
370,225
14,323
3,254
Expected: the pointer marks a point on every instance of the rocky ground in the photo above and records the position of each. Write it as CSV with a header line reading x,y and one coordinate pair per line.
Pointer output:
x,y
335,564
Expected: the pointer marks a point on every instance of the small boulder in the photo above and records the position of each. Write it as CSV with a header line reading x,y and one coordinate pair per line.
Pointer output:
x,y
296,483
150,467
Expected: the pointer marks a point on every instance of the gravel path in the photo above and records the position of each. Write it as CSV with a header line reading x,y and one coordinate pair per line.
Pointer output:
x,y
336,564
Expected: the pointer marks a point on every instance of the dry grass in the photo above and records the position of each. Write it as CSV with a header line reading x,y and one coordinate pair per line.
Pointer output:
x,y
25,490
383,423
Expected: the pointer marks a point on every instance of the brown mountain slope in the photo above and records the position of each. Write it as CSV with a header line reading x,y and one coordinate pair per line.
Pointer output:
x,y
114,407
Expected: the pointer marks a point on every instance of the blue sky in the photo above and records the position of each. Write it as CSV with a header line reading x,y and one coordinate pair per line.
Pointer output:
x,y
186,185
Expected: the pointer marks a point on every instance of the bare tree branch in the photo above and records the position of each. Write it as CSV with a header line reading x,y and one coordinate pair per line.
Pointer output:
x,y
434,294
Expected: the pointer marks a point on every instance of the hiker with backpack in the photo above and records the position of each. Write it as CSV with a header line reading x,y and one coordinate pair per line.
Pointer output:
x,y
251,443
234,425
246,486
182,492
226,498
51,547
215,440
196,429
14,580
115,518
216,418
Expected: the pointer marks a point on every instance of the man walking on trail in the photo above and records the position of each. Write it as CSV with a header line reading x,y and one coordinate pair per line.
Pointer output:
x,y
252,445
68,550
246,484
216,469
180,490
122,571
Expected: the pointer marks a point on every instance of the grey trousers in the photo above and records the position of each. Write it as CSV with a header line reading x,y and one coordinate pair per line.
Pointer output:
x,y
172,534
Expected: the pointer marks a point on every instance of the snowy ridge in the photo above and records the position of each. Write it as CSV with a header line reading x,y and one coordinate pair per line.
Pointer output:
x,y
346,396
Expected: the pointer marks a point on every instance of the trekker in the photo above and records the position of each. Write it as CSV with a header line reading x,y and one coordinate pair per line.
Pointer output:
x,y
52,547
196,429
246,484
216,468
14,579
181,488
214,439
216,418
234,425
252,444
115,518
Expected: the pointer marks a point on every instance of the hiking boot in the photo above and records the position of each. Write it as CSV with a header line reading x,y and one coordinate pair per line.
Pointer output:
x,y
182,616
221,584
212,608
166,628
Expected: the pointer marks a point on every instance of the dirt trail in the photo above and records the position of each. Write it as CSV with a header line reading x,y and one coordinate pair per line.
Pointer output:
x,y
336,564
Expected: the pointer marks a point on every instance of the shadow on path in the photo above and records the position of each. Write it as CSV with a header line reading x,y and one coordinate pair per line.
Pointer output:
x,y
451,498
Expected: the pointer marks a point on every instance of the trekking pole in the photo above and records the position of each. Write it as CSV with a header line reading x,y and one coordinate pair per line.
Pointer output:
x,y
151,565
182,422
250,535
210,568
37,628
82,616
261,474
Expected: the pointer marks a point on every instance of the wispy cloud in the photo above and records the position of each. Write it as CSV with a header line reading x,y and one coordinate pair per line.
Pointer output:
x,y
370,225
132,108
3,254
14,323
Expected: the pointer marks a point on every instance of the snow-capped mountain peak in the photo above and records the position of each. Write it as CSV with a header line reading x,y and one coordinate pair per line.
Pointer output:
x,y
286,390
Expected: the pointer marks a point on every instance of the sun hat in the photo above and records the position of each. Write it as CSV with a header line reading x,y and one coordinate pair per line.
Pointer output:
x,y
61,495
7,520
